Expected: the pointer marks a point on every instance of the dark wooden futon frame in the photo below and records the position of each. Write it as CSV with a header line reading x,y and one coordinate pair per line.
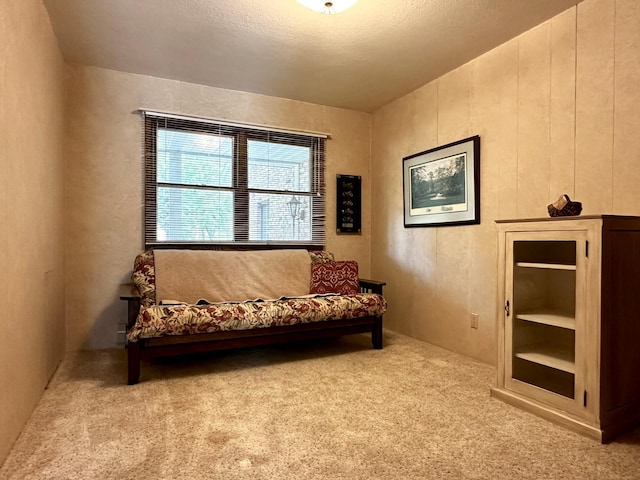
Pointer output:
x,y
204,342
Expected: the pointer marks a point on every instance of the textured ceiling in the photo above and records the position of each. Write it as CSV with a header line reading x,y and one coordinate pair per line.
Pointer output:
x,y
360,59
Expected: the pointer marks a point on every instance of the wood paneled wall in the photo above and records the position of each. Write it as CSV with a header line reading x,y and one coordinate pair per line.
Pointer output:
x,y
556,109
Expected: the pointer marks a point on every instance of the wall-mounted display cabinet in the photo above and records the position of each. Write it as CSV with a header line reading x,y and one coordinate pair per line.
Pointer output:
x,y
569,321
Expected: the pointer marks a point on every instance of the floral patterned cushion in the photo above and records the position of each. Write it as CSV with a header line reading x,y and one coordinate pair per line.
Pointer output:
x,y
335,277
144,278
321,256
162,320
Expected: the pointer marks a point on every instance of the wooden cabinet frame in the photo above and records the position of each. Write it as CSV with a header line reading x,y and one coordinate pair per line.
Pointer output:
x,y
590,381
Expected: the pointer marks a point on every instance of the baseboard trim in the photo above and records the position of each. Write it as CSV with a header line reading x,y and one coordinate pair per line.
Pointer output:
x,y
550,414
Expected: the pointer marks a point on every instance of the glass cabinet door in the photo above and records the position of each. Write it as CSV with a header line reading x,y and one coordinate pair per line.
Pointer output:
x,y
543,314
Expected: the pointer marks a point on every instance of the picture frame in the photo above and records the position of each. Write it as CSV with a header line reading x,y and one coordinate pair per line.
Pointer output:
x,y
441,186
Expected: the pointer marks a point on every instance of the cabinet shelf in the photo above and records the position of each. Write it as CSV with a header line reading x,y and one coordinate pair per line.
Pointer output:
x,y
550,266
548,317
549,355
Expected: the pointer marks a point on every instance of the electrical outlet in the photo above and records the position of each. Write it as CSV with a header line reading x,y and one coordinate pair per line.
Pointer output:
x,y
474,320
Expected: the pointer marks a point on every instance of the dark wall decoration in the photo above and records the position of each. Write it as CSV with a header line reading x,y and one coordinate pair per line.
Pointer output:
x,y
349,204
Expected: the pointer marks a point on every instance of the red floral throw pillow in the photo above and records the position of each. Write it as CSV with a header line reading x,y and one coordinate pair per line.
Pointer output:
x,y
335,277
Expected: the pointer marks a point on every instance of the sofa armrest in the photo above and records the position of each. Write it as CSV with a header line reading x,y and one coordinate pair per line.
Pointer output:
x,y
129,292
371,286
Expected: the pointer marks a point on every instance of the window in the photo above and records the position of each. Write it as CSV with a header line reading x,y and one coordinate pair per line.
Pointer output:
x,y
215,183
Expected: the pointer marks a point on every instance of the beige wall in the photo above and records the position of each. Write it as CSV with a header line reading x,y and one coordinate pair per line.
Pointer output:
x,y
31,211
104,179
557,112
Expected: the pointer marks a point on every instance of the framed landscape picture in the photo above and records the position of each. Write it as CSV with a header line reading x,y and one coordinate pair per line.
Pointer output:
x,y
441,186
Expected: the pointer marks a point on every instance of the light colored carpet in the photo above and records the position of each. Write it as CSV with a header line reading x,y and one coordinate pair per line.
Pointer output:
x,y
335,409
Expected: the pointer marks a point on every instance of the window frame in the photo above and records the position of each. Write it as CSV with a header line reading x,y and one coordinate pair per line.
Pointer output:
x,y
241,134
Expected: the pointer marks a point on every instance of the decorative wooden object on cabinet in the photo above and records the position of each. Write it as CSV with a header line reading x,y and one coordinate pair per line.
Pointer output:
x,y
569,321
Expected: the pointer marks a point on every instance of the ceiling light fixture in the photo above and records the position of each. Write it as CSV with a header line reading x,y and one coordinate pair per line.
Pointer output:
x,y
323,6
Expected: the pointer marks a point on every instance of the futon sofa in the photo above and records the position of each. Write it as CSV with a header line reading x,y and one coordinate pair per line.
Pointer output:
x,y
188,301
